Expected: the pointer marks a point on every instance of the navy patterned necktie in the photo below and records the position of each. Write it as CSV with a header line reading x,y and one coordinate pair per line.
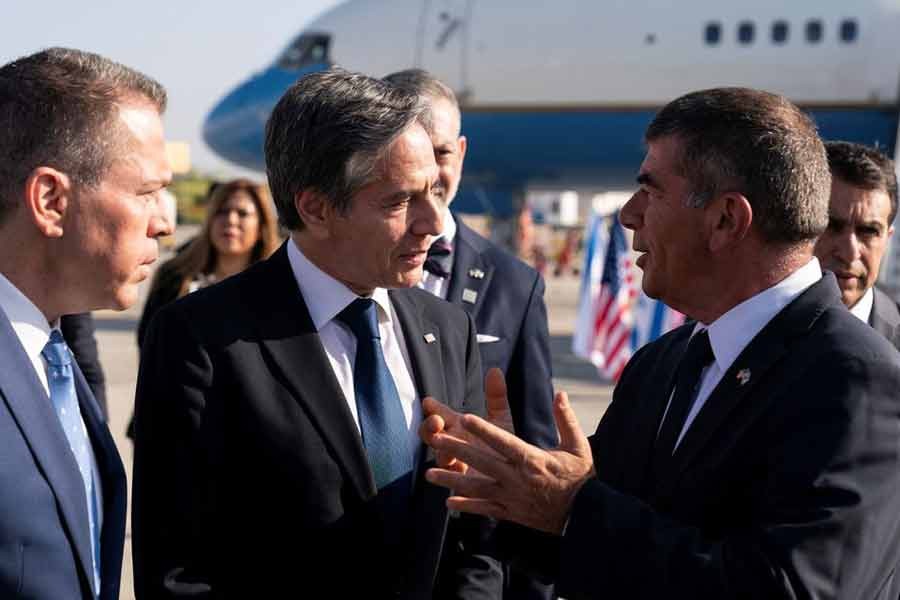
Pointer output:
x,y
61,382
381,420
439,261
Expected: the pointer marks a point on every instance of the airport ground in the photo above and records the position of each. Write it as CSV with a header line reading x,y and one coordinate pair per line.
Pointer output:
x,y
118,353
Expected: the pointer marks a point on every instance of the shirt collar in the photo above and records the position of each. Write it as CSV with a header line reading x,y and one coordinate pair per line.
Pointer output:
x,y
449,229
324,295
734,330
862,310
26,319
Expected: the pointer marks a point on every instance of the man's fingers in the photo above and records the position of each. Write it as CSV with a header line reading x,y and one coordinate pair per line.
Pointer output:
x,y
484,460
430,406
471,484
571,438
506,444
495,393
477,506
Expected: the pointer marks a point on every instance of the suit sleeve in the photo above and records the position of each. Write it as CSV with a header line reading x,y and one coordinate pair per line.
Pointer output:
x,y
529,376
175,375
475,571
826,509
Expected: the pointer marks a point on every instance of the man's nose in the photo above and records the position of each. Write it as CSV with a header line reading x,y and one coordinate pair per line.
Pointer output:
x,y
631,213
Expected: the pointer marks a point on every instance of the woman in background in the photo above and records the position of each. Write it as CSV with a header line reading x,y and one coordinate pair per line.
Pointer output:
x,y
240,229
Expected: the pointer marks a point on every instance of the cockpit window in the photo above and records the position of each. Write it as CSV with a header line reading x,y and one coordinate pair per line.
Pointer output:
x,y
308,49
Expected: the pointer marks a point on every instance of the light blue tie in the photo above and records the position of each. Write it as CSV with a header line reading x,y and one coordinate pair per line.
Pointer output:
x,y
62,393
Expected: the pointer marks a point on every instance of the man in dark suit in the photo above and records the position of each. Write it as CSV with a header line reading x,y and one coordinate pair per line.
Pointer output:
x,y
503,294
751,454
84,159
860,225
276,452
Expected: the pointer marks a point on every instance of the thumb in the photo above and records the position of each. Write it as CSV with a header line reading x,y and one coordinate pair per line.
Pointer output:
x,y
495,394
571,438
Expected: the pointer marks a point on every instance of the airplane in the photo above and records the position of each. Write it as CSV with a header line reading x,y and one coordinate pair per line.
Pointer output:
x,y
558,95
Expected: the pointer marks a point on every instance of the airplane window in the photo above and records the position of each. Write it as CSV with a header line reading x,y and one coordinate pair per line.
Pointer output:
x,y
814,31
779,32
713,33
745,32
308,49
848,31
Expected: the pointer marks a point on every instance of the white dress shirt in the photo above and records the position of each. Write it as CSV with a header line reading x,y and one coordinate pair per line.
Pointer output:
x,y
325,298
734,330
436,284
33,331
862,310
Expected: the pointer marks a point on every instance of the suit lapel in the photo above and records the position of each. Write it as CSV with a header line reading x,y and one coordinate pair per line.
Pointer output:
x,y
471,273
763,353
115,495
288,334
429,519
638,449
885,318
30,407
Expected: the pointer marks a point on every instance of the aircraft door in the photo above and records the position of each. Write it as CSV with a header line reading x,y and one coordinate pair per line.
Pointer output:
x,y
443,45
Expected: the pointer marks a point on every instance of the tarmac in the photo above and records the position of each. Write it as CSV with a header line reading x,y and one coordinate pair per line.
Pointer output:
x,y
118,353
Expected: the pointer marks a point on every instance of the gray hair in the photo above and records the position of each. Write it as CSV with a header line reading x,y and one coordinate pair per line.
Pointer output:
x,y
58,109
328,133
755,143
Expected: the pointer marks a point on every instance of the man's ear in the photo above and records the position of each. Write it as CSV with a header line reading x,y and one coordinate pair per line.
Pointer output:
x,y
316,212
48,194
728,220
463,144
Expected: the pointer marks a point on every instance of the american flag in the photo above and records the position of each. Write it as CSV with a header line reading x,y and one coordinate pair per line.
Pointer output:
x,y
613,320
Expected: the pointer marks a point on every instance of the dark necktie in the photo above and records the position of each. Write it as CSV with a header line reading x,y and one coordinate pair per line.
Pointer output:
x,y
61,382
440,258
698,354
381,420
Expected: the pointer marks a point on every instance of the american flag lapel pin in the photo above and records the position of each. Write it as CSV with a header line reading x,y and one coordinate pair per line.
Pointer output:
x,y
743,376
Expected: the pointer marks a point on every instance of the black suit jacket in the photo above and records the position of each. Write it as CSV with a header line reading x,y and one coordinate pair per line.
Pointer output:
x,y
885,317
250,477
45,543
787,486
509,305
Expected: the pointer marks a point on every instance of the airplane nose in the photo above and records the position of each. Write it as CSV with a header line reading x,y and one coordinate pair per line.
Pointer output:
x,y
235,127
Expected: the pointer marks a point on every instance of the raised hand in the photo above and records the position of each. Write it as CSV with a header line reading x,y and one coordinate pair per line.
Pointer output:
x,y
509,479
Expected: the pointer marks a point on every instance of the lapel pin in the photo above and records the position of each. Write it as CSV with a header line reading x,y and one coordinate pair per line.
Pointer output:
x,y
743,376
469,296
476,273
429,338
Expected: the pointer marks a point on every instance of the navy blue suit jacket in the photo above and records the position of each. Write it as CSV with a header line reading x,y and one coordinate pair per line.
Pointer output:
x,y
786,485
509,305
45,548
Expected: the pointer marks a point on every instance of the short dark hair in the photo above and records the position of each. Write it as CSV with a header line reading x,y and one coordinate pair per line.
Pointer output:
x,y
328,132
864,167
755,143
57,109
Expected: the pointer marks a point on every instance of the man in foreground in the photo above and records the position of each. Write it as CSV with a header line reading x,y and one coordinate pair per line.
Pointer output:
x,y
860,225
750,455
276,452
84,163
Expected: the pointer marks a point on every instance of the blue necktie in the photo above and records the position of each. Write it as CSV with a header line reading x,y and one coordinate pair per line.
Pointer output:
x,y
381,420
65,401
